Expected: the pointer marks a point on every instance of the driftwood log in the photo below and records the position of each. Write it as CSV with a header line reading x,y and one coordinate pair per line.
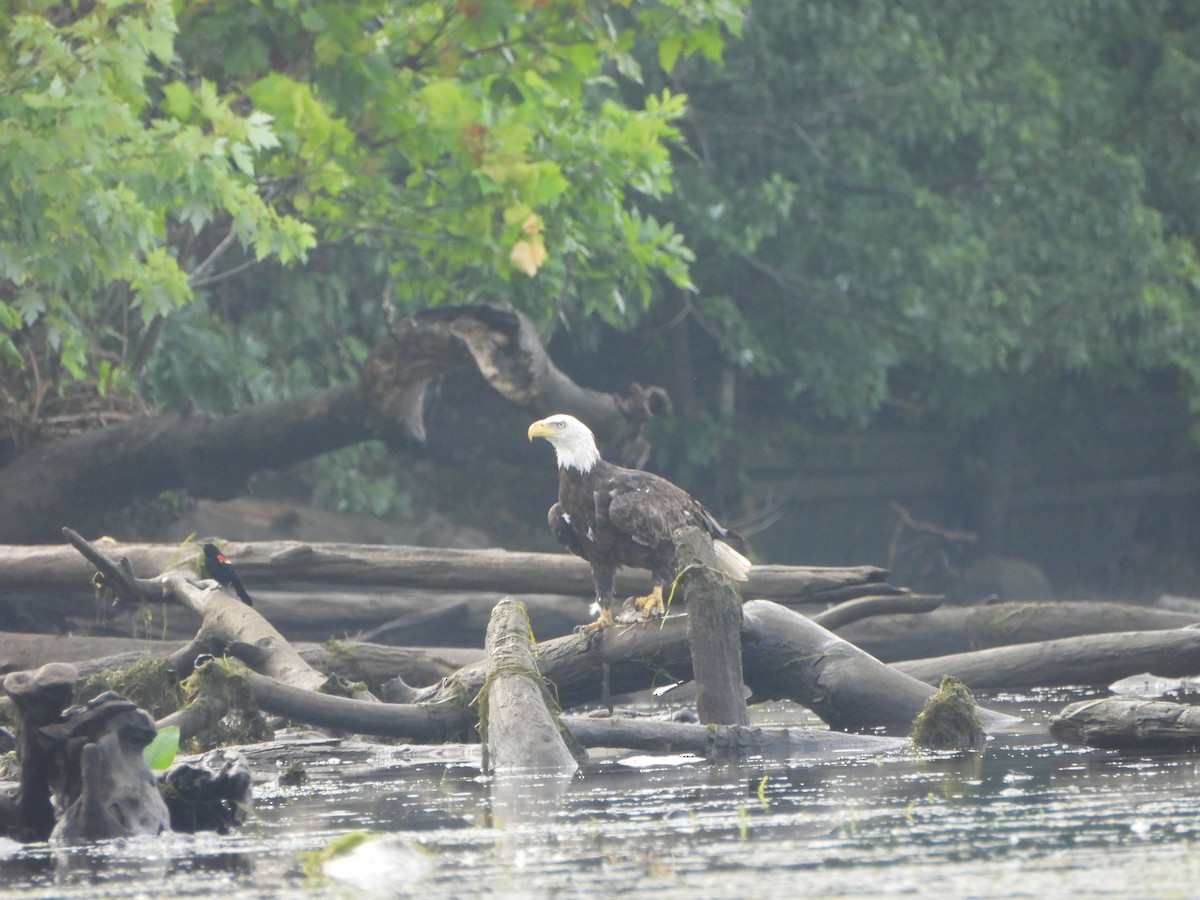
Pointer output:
x,y
1127,723
372,663
1088,659
952,629
316,591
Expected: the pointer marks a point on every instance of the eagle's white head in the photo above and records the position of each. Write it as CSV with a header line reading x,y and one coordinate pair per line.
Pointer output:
x,y
573,441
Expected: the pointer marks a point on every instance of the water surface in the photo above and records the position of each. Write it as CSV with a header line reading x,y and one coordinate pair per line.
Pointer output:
x,y
1024,817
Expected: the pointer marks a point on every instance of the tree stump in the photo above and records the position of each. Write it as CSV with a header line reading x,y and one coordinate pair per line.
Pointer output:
x,y
714,630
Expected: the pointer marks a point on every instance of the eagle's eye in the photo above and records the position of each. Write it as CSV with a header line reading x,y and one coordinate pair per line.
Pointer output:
x,y
560,424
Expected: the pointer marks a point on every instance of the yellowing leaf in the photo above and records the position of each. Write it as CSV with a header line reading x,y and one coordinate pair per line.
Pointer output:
x,y
528,256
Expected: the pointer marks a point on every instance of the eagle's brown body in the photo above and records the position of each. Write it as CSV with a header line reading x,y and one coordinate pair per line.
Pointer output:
x,y
613,516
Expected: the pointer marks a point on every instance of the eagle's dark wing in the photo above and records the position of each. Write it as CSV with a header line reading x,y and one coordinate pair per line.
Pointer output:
x,y
648,508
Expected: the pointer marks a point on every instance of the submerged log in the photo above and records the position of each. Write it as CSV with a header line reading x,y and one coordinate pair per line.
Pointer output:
x,y
714,623
1085,660
719,741
961,629
1127,723
517,727
210,794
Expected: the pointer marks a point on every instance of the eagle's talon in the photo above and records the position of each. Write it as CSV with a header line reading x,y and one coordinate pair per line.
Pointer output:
x,y
605,620
652,605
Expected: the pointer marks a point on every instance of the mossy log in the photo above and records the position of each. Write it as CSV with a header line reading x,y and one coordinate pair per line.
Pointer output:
x,y
519,730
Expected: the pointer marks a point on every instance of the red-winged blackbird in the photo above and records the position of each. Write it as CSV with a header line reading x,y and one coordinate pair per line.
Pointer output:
x,y
221,570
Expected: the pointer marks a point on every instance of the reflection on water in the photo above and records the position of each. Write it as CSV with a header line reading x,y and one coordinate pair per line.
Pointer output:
x,y
1023,816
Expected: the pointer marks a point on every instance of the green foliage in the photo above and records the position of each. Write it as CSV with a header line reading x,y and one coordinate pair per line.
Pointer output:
x,y
106,194
156,154
477,151
954,206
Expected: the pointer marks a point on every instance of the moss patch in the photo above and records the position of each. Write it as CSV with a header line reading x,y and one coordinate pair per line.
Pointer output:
x,y
949,720
148,682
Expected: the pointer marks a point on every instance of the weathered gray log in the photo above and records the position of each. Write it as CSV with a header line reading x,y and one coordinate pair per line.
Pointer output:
x,y
961,629
880,605
39,698
1084,660
714,623
1127,723
719,741
788,656
517,727
20,650
224,618
378,663
227,620
286,564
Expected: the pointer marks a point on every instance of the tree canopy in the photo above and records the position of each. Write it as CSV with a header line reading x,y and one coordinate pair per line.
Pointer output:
x,y
952,206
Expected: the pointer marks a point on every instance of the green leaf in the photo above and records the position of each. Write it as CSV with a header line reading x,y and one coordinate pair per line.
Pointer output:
x,y
161,752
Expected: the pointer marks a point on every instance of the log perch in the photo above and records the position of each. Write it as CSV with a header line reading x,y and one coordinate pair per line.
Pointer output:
x,y
714,625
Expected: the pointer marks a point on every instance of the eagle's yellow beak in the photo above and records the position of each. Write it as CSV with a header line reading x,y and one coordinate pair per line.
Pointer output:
x,y
538,429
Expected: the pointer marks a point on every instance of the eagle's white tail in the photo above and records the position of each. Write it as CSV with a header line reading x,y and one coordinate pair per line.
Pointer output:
x,y
731,562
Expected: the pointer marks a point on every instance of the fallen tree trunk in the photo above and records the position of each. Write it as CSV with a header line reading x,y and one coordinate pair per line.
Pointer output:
x,y
83,477
289,565
1094,659
517,727
790,657
965,628
1127,723
434,723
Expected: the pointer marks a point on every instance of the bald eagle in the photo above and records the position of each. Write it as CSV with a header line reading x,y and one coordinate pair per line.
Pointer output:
x,y
613,517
